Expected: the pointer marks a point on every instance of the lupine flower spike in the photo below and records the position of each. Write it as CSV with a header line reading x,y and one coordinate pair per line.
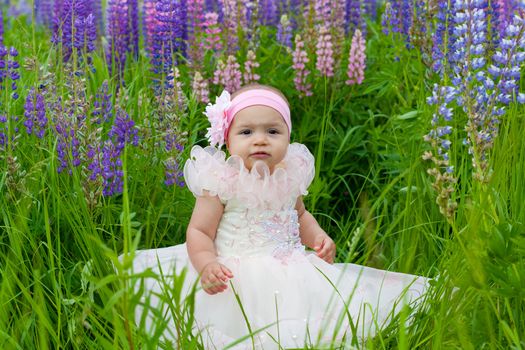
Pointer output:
x,y
249,68
324,53
300,59
356,59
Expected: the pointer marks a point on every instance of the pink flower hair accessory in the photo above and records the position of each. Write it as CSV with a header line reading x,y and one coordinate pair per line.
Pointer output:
x,y
221,113
216,114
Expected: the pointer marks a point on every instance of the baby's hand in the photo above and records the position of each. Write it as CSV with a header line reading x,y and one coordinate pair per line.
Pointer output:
x,y
214,277
325,248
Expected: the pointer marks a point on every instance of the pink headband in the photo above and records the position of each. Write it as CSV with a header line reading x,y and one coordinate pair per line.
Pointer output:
x,y
222,112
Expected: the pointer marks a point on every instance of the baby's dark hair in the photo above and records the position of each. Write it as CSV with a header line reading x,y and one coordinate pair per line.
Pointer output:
x,y
253,86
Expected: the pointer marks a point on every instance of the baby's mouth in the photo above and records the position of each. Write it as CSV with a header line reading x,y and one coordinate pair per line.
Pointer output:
x,y
260,155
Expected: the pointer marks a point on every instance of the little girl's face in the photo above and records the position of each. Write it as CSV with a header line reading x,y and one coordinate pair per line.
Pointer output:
x,y
258,133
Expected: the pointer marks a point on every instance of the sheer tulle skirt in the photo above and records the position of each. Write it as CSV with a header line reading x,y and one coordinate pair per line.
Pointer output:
x,y
292,302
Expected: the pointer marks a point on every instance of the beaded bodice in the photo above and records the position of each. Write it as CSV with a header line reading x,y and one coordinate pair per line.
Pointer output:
x,y
255,232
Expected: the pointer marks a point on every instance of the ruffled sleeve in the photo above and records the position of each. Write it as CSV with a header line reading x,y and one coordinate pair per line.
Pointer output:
x,y
300,165
205,170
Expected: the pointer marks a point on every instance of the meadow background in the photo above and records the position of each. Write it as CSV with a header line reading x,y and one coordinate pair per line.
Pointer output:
x,y
411,108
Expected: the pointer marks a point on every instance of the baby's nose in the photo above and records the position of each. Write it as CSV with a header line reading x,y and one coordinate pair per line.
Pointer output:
x,y
260,137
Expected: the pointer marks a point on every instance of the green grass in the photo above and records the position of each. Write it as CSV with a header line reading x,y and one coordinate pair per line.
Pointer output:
x,y
59,288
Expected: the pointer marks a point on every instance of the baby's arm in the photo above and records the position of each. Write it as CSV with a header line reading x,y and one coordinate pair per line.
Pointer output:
x,y
199,242
312,235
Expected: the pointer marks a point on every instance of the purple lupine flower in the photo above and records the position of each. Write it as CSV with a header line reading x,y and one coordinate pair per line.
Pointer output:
x,y
388,19
103,107
133,27
96,10
35,113
66,125
398,17
370,8
300,59
173,148
111,169
123,130
284,32
44,12
407,16
173,172
22,8
269,12
8,84
9,74
122,29
169,38
3,132
117,30
354,15
85,34
109,165
57,21
1,27
77,30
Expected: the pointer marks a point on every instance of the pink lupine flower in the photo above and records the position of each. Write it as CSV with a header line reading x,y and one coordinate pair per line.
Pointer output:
x,y
234,20
150,22
195,13
322,11
232,74
324,52
251,63
200,88
338,29
356,59
195,33
218,74
212,32
179,99
300,59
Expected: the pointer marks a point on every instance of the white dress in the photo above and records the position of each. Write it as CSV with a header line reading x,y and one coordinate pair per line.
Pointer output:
x,y
288,295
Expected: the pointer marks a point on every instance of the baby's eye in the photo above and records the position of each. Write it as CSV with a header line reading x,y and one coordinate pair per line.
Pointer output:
x,y
245,132
273,131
